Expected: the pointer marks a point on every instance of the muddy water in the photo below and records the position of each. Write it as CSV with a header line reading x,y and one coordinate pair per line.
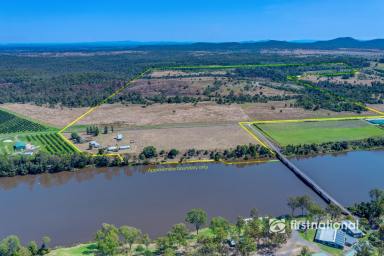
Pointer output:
x,y
70,207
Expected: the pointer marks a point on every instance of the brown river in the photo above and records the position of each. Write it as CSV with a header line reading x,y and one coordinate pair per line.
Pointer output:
x,y
71,206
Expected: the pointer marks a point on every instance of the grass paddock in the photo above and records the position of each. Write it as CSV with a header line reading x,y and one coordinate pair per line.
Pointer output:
x,y
320,131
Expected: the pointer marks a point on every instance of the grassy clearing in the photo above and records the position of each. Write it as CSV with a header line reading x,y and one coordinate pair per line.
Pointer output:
x,y
90,248
320,132
78,250
380,66
310,235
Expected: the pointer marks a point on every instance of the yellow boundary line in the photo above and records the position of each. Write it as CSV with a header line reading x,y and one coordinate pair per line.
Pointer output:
x,y
242,125
253,135
375,110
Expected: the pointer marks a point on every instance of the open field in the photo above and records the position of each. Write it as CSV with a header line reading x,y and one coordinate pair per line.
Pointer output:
x,y
182,138
379,107
181,73
197,86
281,110
159,114
78,250
58,117
137,115
320,132
359,79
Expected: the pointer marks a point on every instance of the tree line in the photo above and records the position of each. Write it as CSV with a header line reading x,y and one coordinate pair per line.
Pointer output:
x,y
11,246
48,163
215,237
332,147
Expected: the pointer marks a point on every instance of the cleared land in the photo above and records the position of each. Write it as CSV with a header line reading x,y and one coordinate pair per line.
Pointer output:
x,y
379,107
197,86
320,132
281,110
183,138
159,114
361,79
56,116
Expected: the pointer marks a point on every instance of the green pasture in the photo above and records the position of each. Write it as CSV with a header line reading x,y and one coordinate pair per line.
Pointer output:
x,y
320,131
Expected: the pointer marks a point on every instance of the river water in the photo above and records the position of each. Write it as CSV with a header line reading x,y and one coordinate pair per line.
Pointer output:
x,y
71,206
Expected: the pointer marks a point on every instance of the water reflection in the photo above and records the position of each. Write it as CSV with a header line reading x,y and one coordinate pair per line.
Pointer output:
x,y
48,180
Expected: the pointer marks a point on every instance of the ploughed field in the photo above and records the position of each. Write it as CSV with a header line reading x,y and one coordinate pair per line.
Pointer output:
x,y
320,131
183,138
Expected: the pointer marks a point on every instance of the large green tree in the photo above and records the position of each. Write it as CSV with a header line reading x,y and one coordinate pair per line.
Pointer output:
x,y
130,235
107,239
197,217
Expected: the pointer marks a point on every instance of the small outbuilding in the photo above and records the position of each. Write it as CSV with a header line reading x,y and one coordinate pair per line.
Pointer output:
x,y
112,149
94,144
351,229
119,136
350,241
19,146
330,237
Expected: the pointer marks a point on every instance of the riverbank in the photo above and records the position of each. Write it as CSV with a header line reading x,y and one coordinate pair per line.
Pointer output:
x,y
73,204
48,163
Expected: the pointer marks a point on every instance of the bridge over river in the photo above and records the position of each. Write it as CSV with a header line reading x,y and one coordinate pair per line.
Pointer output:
x,y
301,175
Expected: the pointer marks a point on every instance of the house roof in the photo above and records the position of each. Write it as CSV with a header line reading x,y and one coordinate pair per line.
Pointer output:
x,y
351,227
330,235
350,239
20,144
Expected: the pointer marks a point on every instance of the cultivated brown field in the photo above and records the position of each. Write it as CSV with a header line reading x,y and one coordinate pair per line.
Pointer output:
x,y
58,117
182,138
157,114
281,110
171,114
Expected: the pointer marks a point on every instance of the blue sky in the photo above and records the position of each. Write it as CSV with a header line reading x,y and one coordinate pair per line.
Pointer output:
x,y
188,20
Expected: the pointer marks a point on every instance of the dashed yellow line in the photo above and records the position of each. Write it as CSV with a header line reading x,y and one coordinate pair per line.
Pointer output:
x,y
90,110
242,124
78,119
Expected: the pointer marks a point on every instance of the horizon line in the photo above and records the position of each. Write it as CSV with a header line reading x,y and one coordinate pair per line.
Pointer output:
x,y
136,42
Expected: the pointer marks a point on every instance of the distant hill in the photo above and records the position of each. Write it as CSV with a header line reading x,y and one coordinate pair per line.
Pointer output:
x,y
338,43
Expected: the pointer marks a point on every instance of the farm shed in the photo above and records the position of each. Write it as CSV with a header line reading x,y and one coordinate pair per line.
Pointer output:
x,y
331,237
19,145
351,229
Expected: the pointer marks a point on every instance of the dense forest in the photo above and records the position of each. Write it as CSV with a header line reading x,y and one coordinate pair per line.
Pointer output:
x,y
372,94
78,79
